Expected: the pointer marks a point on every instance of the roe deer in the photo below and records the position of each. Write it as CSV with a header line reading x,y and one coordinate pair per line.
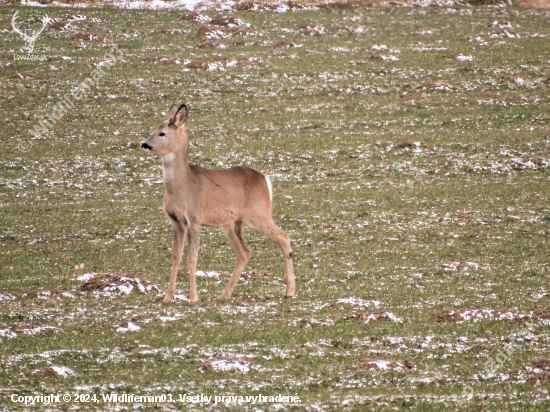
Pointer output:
x,y
195,197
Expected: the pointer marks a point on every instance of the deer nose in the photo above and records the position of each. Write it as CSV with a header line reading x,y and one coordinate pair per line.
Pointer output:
x,y
145,146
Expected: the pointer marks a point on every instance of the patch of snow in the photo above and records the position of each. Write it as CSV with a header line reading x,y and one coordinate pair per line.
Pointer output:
x,y
63,371
129,327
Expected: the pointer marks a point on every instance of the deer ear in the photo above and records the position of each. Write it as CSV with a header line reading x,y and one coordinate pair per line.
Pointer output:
x,y
181,115
171,113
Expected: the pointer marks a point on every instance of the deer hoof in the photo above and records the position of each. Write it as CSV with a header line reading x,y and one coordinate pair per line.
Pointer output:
x,y
193,299
167,298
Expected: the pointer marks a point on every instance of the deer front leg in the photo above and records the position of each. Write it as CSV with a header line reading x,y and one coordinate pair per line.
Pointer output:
x,y
193,234
177,252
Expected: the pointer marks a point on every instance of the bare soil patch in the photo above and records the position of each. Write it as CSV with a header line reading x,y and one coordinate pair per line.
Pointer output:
x,y
210,31
356,302
314,323
24,75
195,17
404,146
541,376
42,294
530,162
382,365
413,95
457,56
160,59
310,29
542,364
251,275
462,265
238,363
412,145
46,371
15,330
86,37
502,24
381,315
229,21
437,85
122,327
58,25
115,284
267,6
461,315
55,371
183,272
221,62
209,44
503,33
354,28
541,313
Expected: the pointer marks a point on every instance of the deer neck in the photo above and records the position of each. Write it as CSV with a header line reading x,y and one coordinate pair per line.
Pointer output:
x,y
175,167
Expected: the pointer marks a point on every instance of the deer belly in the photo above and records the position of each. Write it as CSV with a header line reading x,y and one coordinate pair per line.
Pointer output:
x,y
219,217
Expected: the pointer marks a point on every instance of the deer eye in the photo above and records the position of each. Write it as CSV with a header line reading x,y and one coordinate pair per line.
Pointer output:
x,y
162,134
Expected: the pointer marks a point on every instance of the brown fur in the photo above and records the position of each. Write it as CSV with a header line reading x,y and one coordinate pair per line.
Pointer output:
x,y
196,197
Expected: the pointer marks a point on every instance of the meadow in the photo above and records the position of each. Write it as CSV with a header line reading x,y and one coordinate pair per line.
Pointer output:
x,y
409,150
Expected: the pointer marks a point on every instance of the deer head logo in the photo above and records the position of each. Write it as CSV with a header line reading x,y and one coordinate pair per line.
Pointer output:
x,y
29,39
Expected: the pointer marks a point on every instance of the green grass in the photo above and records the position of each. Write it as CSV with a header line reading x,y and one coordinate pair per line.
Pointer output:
x,y
365,221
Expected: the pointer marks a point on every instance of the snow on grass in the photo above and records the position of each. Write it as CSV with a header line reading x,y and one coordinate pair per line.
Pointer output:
x,y
352,301
463,265
106,284
382,365
13,331
56,370
237,363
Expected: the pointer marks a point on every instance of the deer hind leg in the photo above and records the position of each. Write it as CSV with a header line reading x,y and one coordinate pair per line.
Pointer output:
x,y
177,252
234,233
267,228
193,233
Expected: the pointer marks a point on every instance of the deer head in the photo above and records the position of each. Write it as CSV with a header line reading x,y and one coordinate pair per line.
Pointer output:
x,y
29,40
169,136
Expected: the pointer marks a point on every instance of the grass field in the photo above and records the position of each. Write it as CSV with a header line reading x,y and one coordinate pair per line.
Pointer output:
x,y
388,161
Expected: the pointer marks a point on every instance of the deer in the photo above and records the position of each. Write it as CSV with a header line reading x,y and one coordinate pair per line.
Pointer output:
x,y
228,198
29,40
